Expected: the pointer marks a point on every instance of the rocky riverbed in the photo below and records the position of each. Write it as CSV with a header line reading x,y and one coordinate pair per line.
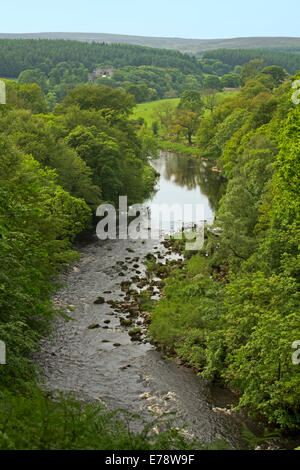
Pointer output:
x,y
102,352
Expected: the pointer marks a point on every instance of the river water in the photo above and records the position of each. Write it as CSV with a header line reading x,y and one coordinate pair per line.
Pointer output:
x,y
103,363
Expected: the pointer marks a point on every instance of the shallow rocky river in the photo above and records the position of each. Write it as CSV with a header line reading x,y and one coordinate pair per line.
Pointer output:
x,y
93,354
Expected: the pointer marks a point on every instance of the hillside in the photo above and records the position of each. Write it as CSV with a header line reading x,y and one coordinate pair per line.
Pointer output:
x,y
15,56
195,46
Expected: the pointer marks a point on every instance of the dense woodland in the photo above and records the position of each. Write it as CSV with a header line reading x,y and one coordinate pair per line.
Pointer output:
x,y
149,83
46,54
191,46
233,311
55,169
148,74
288,60
57,66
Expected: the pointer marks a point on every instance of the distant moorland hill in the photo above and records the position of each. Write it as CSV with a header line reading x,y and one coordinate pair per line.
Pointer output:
x,y
194,46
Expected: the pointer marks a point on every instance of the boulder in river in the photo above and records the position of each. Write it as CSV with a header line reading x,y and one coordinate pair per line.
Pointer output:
x,y
142,283
125,285
99,301
144,396
135,334
126,321
93,326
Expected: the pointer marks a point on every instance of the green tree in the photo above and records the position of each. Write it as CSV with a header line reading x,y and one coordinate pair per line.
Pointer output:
x,y
212,82
112,103
34,76
230,80
251,69
278,73
187,123
191,100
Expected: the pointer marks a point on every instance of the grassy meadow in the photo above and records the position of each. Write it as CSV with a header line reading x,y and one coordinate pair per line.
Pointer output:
x,y
147,111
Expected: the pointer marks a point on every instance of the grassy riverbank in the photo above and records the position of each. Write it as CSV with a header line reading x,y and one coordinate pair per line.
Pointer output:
x,y
232,312
179,147
150,113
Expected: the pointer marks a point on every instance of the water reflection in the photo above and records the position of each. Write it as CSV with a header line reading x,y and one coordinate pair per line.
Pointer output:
x,y
185,180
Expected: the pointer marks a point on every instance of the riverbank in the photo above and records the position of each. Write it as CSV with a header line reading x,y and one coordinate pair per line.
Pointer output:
x,y
95,355
103,352
158,116
184,346
179,147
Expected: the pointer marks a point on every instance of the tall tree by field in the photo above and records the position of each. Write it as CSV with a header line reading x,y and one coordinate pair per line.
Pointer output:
x,y
191,100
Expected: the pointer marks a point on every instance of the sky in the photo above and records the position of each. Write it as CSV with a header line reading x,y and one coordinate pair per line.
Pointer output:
x,y
199,19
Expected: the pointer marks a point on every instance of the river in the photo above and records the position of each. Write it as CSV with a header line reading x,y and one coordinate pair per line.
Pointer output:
x,y
102,362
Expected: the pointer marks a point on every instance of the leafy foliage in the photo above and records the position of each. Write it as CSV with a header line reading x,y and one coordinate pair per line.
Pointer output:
x,y
53,170
48,54
160,82
233,312
232,57
42,422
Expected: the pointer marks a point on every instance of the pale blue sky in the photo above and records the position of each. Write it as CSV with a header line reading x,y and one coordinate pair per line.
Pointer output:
x,y
181,18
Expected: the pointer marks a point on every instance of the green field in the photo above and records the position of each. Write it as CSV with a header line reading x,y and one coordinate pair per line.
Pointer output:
x,y
147,111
